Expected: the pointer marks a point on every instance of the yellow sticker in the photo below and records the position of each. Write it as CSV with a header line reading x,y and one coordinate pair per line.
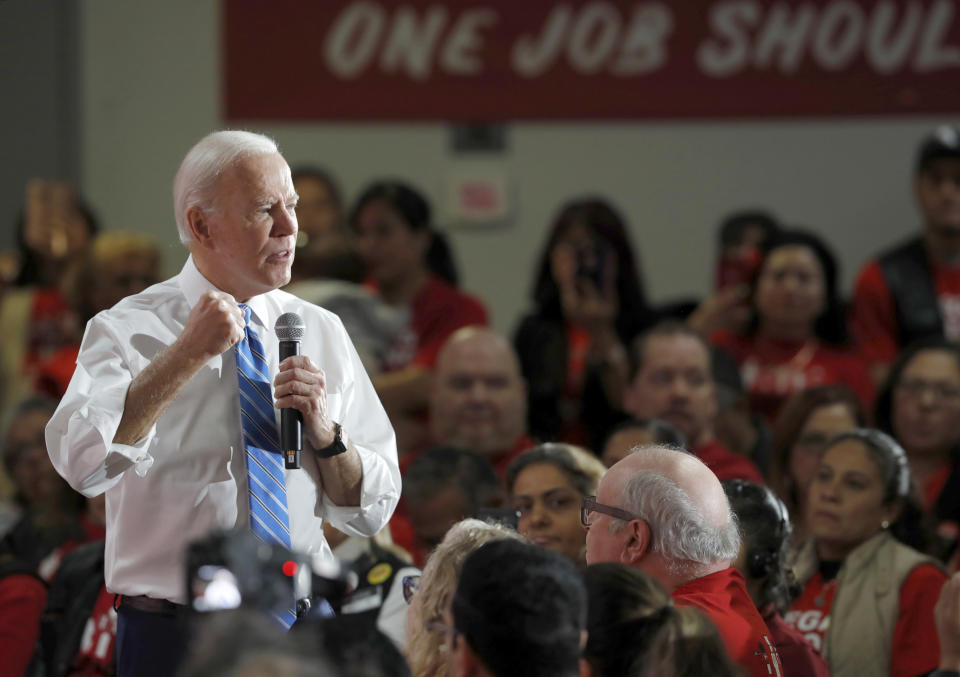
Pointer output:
x,y
379,573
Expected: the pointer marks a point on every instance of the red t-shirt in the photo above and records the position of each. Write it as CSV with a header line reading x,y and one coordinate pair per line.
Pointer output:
x,y
916,649
774,370
797,655
22,599
723,597
873,316
727,465
437,311
95,655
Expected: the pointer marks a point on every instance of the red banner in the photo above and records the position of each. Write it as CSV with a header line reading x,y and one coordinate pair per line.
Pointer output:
x,y
502,60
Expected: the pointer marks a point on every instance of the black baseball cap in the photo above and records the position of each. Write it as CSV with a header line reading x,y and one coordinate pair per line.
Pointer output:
x,y
942,142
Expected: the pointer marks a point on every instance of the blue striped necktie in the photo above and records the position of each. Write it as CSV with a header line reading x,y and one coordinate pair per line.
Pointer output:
x,y
268,492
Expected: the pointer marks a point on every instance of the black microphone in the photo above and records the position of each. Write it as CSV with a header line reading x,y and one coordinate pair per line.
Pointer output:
x,y
289,328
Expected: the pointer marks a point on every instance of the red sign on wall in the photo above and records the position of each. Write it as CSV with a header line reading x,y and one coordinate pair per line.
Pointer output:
x,y
500,60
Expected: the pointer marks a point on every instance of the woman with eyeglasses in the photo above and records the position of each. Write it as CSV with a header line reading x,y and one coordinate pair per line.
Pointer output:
x,y
808,420
429,596
919,405
546,485
868,598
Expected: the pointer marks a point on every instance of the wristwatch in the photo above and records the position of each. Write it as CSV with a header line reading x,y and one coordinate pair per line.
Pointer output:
x,y
338,446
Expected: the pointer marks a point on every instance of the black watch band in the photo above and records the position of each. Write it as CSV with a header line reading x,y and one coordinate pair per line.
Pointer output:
x,y
337,447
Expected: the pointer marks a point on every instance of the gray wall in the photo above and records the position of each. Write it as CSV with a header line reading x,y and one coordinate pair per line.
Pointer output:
x,y
151,88
39,76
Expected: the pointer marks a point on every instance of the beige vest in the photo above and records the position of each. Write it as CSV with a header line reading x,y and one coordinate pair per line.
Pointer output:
x,y
866,606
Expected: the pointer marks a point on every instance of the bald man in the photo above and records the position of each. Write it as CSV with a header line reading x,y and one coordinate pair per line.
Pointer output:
x,y
479,399
664,512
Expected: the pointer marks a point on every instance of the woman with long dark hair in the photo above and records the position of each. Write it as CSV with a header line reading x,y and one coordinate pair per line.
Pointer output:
x,y
392,227
589,304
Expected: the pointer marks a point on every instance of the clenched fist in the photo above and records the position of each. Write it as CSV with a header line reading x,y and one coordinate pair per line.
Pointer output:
x,y
215,324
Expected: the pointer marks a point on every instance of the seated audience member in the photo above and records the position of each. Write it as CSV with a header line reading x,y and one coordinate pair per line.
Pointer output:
x,y
867,599
765,536
919,405
798,337
478,399
22,598
431,594
639,433
380,566
673,381
807,422
443,486
741,239
664,512
51,512
117,265
588,304
911,291
79,624
319,207
55,230
634,629
736,426
519,611
391,223
545,486
947,616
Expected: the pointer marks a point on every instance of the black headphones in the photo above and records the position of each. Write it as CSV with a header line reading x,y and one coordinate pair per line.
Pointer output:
x,y
757,503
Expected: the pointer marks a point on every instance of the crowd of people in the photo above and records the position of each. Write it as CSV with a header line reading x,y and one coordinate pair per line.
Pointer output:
x,y
761,482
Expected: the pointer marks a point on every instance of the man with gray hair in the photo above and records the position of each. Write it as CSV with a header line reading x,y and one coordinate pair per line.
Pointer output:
x,y
664,512
173,408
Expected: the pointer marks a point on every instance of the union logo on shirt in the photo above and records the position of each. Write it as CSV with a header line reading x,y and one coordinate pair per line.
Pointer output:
x,y
812,623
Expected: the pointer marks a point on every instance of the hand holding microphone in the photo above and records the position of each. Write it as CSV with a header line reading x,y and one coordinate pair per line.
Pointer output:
x,y
289,329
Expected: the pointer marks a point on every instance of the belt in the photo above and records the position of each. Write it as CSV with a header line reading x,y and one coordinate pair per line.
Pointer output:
x,y
151,605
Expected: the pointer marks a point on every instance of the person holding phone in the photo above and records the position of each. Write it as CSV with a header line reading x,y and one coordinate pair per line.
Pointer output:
x,y
589,303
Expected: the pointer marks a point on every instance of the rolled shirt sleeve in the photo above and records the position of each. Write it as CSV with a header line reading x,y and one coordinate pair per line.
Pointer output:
x,y
80,434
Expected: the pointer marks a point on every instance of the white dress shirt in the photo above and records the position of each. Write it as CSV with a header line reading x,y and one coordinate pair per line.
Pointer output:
x,y
188,475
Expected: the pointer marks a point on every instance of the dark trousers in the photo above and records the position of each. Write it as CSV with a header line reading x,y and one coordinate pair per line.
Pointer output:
x,y
149,644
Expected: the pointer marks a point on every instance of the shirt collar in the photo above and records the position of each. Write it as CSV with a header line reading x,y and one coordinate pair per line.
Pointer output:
x,y
193,285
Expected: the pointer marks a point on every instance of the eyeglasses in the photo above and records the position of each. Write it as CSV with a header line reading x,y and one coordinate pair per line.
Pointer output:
x,y
941,392
589,505
410,586
436,625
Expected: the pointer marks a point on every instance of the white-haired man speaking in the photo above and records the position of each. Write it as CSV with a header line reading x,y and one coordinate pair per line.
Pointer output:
x,y
664,512
173,407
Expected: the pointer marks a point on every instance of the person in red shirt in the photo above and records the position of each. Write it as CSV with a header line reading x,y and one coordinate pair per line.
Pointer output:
x,y
919,406
868,598
478,398
912,290
673,382
391,223
798,337
664,512
441,487
765,529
